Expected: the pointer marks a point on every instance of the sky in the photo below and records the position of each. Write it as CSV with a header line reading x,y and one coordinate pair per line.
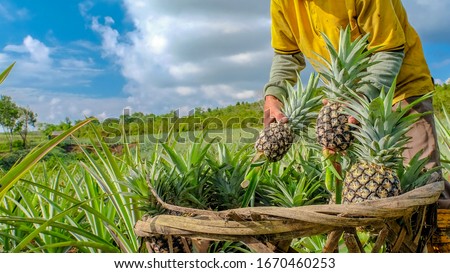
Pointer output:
x,y
94,58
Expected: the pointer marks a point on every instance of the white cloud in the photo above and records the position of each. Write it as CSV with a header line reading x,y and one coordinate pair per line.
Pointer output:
x,y
53,107
241,58
55,101
37,51
87,112
177,53
40,65
216,91
245,95
181,71
12,13
102,116
223,91
185,91
109,36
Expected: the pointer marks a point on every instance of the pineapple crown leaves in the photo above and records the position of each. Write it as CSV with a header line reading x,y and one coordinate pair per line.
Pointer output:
x,y
381,132
348,63
301,107
415,174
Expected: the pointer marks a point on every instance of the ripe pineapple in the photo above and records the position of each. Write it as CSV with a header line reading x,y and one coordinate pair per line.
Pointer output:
x,y
275,140
381,139
346,67
332,128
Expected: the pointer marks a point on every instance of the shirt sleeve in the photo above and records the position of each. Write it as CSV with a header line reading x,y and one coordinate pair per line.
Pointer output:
x,y
382,73
379,18
283,41
285,68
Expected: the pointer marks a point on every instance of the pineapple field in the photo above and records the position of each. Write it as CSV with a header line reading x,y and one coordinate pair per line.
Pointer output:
x,y
282,192
93,205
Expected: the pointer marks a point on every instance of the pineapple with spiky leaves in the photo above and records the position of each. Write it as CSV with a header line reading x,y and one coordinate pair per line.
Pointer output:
x,y
300,107
381,136
345,69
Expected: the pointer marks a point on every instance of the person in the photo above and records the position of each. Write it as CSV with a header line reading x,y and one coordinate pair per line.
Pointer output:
x,y
297,28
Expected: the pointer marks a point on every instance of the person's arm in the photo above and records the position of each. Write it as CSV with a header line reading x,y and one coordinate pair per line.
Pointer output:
x,y
286,64
285,69
382,73
379,18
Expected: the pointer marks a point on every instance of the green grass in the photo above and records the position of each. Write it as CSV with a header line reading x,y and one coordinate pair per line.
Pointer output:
x,y
33,139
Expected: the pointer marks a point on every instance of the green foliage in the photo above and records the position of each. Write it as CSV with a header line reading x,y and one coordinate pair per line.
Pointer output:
x,y
443,129
228,247
9,115
86,207
13,118
241,115
228,167
441,100
291,186
14,174
313,244
8,160
415,174
26,119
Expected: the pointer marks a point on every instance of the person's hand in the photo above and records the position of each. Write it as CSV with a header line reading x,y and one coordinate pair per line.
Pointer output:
x,y
272,111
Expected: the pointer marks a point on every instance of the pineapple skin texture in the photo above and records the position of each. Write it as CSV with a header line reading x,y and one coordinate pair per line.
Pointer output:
x,y
274,141
160,244
332,129
369,181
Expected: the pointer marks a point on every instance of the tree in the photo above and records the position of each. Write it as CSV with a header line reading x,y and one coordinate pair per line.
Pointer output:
x,y
9,115
27,118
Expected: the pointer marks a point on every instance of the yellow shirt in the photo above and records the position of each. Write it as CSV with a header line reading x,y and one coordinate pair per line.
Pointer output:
x,y
297,26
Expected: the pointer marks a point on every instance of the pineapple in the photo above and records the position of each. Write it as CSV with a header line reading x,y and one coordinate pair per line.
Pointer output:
x,y
276,139
346,67
332,128
168,244
381,137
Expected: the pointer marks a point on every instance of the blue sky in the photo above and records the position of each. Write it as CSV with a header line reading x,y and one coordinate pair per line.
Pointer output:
x,y
77,58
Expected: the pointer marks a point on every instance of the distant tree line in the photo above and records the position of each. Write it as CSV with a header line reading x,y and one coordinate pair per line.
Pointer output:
x,y
240,115
15,120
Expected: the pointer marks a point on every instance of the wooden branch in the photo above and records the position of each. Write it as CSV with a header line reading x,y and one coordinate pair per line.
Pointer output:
x,y
352,242
380,240
400,240
257,245
332,241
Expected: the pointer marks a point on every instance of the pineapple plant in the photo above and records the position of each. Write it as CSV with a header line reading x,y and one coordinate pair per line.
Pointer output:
x,y
381,135
275,140
345,68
